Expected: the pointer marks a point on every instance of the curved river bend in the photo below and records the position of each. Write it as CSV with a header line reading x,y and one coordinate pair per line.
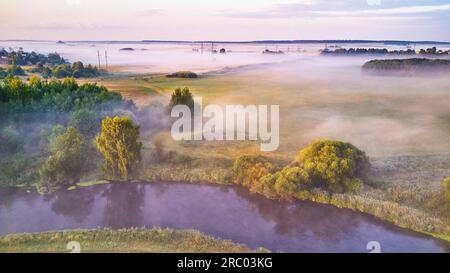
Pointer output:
x,y
222,211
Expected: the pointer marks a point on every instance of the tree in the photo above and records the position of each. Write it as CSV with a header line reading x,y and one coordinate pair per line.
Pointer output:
x,y
11,142
86,122
15,70
66,163
3,73
181,97
290,181
249,169
335,165
120,146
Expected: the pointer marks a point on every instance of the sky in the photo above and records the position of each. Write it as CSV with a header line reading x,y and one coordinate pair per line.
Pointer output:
x,y
236,20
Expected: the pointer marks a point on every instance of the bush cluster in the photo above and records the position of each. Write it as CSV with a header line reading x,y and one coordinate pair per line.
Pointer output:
x,y
334,166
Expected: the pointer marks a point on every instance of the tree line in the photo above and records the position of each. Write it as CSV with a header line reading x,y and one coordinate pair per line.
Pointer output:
x,y
51,65
17,96
383,51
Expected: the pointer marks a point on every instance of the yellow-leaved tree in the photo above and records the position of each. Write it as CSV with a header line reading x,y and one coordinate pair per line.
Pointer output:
x,y
120,146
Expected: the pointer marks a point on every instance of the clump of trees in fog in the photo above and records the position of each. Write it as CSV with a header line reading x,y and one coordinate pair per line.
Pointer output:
x,y
183,74
51,65
414,64
334,166
76,70
48,128
21,57
17,96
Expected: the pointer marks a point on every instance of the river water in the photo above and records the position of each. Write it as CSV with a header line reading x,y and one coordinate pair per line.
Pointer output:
x,y
222,211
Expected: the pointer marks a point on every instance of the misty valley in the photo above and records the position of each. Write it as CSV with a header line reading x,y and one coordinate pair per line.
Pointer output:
x,y
335,148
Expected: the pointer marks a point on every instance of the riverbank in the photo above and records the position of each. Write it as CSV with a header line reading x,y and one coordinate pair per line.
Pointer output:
x,y
121,240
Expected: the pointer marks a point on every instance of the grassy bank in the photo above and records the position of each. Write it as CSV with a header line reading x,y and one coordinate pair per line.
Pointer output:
x,y
122,240
394,213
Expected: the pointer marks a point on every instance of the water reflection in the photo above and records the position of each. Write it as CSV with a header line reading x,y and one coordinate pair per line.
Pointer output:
x,y
222,211
293,218
75,204
124,204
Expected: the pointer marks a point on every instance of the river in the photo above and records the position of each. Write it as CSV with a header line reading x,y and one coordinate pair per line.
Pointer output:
x,y
223,211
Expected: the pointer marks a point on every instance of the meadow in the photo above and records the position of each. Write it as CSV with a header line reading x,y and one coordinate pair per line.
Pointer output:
x,y
402,123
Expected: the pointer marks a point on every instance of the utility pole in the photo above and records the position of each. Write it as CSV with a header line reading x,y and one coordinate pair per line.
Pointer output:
x,y
98,56
106,60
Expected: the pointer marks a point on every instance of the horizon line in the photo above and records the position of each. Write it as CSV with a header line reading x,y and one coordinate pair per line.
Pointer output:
x,y
282,41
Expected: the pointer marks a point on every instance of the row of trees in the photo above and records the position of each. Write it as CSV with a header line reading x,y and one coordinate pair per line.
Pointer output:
x,y
382,51
17,96
331,165
75,70
21,57
51,65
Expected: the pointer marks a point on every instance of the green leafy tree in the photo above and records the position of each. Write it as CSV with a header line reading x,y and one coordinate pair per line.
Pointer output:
x,y
335,165
249,169
17,171
11,142
86,122
120,146
15,70
291,180
3,73
181,97
67,162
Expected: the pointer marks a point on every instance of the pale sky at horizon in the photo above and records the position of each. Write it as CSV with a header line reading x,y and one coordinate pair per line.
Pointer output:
x,y
224,20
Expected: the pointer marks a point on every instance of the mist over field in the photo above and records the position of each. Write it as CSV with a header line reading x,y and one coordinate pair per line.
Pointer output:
x,y
330,97
64,139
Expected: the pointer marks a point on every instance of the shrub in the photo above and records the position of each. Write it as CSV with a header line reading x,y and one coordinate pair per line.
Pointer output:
x,y
334,164
120,146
